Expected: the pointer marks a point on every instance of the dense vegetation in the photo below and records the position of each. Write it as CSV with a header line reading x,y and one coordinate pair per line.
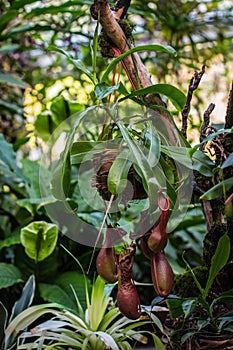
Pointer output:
x,y
66,106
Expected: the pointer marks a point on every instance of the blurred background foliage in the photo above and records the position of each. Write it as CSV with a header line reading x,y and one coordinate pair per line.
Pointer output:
x,y
37,83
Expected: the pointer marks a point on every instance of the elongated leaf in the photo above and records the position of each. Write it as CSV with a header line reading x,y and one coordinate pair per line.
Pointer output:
x,y
118,173
228,162
226,297
8,48
103,90
26,298
61,176
77,63
9,275
158,344
28,316
188,306
98,305
202,163
150,47
3,321
176,96
108,340
12,80
7,17
62,173
218,190
152,142
199,161
218,260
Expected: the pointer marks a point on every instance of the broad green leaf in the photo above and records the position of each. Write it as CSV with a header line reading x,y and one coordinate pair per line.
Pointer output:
x,y
179,154
199,161
228,162
218,260
76,62
118,173
103,90
176,96
152,142
9,241
9,275
25,299
39,239
188,306
31,170
175,307
62,109
54,294
218,190
202,163
3,322
81,149
44,125
78,282
149,47
12,80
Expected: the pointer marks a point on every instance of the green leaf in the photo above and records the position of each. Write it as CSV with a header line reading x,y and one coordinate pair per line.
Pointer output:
x,y
9,275
25,299
62,109
6,18
150,47
12,80
61,176
188,306
199,161
202,163
9,241
228,162
78,282
81,149
176,96
8,48
76,62
218,190
226,297
152,142
175,307
8,163
218,260
103,90
118,173
31,170
55,294
39,239
158,344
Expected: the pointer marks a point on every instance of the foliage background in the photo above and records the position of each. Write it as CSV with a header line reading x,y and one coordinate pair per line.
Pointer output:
x,y
36,83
